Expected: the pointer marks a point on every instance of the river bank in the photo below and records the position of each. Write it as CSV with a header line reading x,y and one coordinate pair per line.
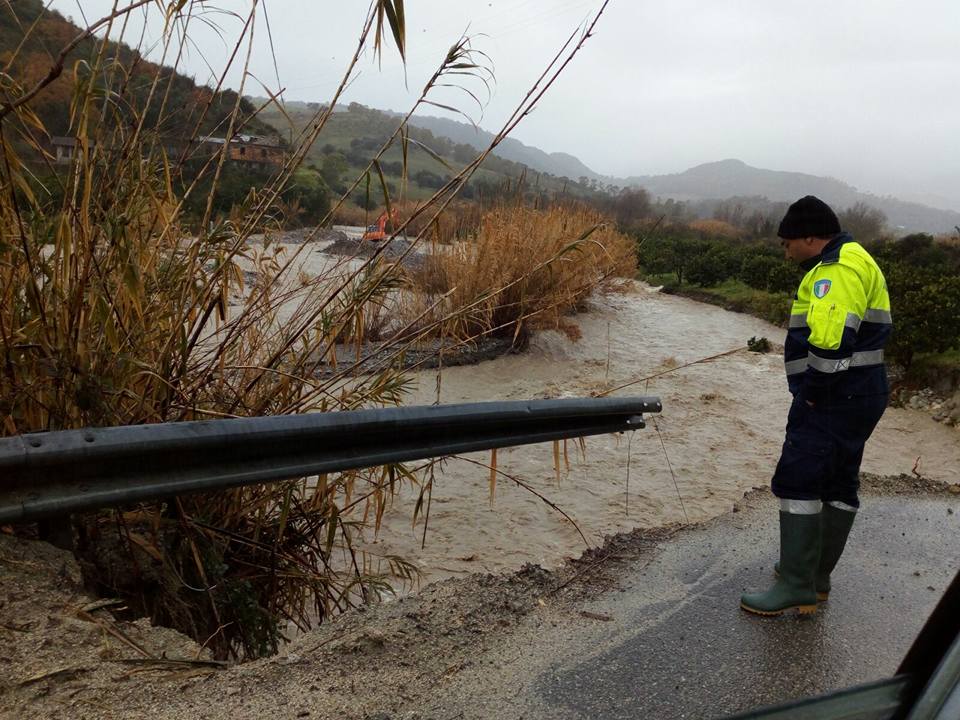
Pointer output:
x,y
934,380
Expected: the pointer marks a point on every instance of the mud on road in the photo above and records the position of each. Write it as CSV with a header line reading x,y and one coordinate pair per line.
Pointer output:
x,y
532,643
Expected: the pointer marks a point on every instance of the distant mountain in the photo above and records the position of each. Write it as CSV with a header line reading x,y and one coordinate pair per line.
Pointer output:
x,y
711,181
558,163
731,178
932,200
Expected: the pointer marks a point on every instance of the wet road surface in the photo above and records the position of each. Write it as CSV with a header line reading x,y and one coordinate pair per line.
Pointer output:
x,y
670,641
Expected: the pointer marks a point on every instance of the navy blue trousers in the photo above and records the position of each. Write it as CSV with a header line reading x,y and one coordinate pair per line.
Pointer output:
x,y
823,449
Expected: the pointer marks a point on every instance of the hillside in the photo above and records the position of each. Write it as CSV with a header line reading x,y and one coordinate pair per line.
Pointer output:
x,y
30,59
558,163
707,182
355,132
732,178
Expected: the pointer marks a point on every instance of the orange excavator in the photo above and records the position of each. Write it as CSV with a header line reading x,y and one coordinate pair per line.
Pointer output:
x,y
378,231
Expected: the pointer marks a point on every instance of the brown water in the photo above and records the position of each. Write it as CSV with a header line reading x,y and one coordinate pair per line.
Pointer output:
x,y
719,435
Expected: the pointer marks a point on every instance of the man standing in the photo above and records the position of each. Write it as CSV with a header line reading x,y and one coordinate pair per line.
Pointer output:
x,y
839,324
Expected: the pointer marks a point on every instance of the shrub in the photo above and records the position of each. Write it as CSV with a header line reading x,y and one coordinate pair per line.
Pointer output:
x,y
311,194
715,229
707,269
427,179
926,311
755,270
524,269
783,278
919,250
673,254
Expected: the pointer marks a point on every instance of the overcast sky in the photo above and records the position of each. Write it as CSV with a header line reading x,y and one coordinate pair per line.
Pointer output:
x,y
867,92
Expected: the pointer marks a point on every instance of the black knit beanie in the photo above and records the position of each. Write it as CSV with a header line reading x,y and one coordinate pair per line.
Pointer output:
x,y
808,217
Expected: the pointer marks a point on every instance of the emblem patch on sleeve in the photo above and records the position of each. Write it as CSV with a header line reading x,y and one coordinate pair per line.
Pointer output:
x,y
821,288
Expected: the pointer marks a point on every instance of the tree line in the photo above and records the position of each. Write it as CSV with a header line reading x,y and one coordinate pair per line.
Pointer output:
x,y
922,273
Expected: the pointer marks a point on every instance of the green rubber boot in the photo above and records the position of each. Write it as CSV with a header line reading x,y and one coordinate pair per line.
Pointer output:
x,y
835,527
822,586
799,556
835,524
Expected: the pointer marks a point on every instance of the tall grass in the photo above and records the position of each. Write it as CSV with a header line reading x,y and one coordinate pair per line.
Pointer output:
x,y
524,269
116,311
715,228
119,308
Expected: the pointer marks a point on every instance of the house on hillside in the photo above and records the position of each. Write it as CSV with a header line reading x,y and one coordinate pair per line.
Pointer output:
x,y
63,149
260,151
263,151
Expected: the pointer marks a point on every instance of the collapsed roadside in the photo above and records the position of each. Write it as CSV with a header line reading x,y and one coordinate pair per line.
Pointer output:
x,y
457,648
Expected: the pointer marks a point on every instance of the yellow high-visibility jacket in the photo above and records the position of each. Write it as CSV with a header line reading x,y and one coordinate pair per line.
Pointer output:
x,y
839,323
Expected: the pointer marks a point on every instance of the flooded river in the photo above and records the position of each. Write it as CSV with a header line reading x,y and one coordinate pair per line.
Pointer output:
x,y
719,435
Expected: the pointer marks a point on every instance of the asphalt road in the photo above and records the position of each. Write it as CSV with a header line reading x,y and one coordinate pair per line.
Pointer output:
x,y
671,641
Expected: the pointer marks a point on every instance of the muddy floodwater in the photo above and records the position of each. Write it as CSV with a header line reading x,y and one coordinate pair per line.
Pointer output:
x,y
718,436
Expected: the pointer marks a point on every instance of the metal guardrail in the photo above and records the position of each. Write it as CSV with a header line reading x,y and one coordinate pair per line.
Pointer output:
x,y
56,473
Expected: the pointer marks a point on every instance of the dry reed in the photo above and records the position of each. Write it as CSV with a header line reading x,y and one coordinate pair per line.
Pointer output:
x,y
119,308
525,269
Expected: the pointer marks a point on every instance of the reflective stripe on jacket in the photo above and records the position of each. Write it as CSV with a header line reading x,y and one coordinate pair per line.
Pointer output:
x,y
839,324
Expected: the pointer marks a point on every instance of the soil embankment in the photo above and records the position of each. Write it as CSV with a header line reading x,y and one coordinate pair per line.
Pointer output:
x,y
399,249
645,626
